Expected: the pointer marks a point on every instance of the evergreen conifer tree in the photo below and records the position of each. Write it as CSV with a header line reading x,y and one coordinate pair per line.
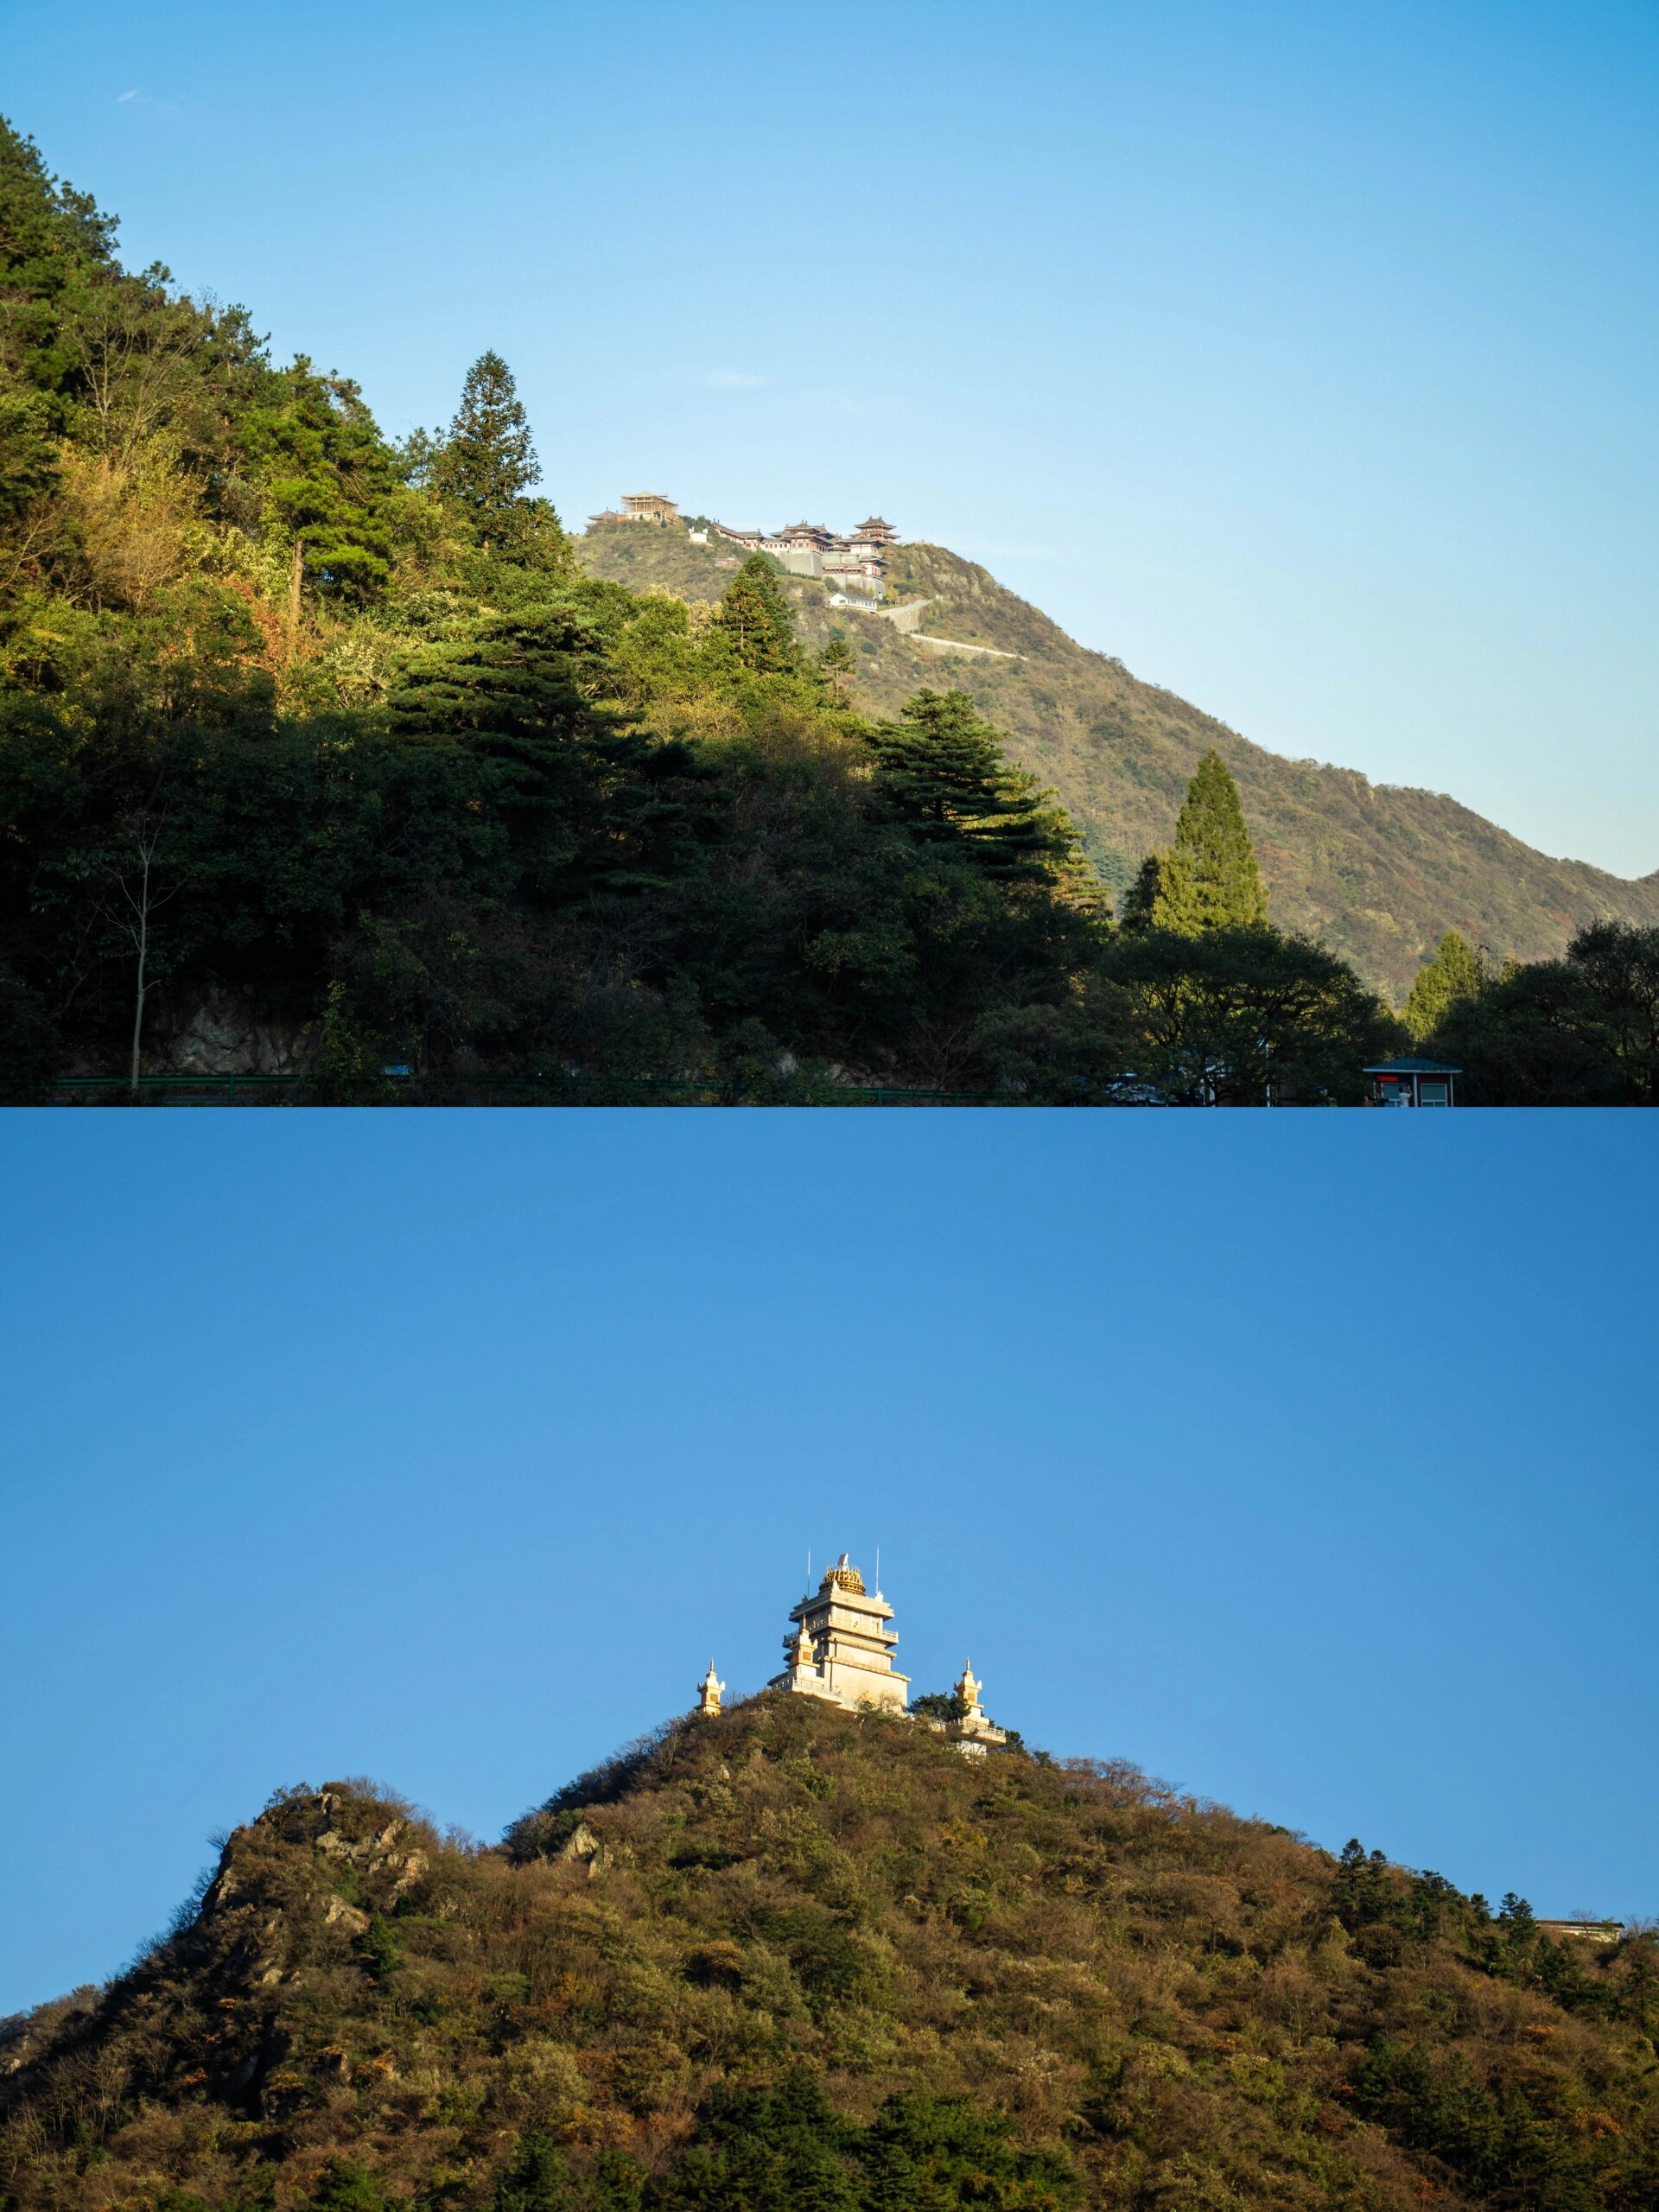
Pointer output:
x,y
1141,900
570,780
1453,975
754,622
940,770
836,665
1208,879
488,462
536,2180
330,481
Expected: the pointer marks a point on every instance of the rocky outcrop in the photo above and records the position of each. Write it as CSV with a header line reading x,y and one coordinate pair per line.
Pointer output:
x,y
220,1034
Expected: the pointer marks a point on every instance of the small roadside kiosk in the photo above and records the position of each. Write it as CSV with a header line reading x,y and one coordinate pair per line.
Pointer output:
x,y
1413,1083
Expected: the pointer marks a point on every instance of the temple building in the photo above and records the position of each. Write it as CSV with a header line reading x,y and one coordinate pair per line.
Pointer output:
x,y
842,1646
857,562
643,506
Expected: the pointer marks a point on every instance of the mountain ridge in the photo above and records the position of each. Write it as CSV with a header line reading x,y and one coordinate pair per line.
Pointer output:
x,y
778,1956
1379,872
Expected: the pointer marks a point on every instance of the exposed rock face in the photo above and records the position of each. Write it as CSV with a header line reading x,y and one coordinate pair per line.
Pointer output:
x,y
222,1036
374,1855
295,1892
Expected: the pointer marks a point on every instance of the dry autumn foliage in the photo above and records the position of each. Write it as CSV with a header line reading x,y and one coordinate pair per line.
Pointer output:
x,y
800,1943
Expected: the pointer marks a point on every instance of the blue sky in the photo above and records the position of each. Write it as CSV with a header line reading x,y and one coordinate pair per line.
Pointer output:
x,y
1306,1460
1303,355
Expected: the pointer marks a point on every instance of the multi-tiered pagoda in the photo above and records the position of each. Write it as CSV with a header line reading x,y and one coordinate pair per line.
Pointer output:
x,y
842,1646
840,1649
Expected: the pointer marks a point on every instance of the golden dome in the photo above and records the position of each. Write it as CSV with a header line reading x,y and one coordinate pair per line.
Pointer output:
x,y
842,1577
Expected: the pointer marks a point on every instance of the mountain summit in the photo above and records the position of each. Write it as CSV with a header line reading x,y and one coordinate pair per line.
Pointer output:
x,y
791,1955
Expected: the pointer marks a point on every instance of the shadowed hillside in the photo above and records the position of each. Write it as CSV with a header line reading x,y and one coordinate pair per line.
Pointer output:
x,y
1377,871
796,1957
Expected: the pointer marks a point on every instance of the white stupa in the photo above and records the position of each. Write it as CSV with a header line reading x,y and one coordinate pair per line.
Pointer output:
x,y
973,1731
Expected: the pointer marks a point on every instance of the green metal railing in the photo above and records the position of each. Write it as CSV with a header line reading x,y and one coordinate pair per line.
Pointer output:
x,y
509,1090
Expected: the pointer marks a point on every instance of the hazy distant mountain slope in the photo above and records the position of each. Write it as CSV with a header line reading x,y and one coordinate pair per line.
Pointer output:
x,y
1378,871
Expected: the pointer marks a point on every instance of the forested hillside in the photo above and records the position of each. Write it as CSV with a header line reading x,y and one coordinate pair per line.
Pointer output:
x,y
1377,872
335,761
320,755
794,1960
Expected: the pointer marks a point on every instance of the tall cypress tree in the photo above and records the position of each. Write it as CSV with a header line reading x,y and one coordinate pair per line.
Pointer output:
x,y
1208,879
754,622
1453,975
488,462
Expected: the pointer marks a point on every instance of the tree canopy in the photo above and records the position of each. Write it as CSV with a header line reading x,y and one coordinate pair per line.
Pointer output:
x,y
941,771
1583,1031
753,621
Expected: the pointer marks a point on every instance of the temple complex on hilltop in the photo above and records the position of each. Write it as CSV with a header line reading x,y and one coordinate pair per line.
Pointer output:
x,y
858,562
841,1649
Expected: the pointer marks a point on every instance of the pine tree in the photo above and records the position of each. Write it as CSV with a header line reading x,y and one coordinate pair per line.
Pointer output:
x,y
940,770
1453,975
488,463
1208,879
1141,900
567,778
754,622
836,665
331,485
